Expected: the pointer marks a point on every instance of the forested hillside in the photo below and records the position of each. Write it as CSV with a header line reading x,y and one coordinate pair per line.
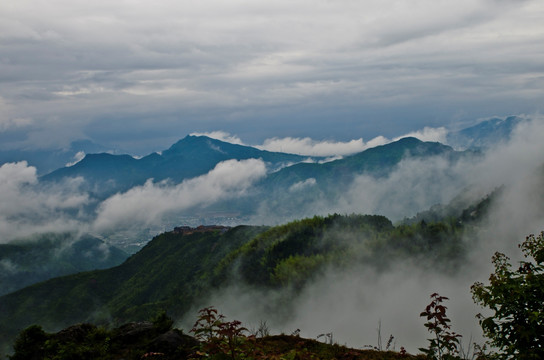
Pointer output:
x,y
174,271
33,259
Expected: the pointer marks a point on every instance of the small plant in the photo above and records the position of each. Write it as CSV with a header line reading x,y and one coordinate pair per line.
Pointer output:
x,y
218,336
444,344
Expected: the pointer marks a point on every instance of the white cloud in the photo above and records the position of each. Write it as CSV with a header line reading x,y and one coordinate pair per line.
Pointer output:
x,y
28,207
307,146
428,134
351,302
302,185
148,203
310,147
80,155
220,135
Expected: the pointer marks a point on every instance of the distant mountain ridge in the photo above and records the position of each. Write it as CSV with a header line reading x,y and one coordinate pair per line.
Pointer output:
x,y
482,135
196,155
485,134
190,157
376,161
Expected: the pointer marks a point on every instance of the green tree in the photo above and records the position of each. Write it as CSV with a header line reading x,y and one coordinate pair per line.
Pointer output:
x,y
29,345
516,299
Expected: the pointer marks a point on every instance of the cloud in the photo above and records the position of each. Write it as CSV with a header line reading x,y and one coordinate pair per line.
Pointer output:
x,y
428,134
310,147
148,203
307,146
332,70
222,136
8,121
352,302
415,185
77,158
28,207
302,185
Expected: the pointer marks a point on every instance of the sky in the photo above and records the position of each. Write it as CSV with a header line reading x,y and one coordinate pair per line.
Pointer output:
x,y
138,75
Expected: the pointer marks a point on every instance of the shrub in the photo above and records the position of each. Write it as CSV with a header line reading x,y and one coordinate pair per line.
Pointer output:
x,y
515,296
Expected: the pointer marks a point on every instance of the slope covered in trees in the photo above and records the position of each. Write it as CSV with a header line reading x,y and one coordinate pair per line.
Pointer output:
x,y
33,259
174,271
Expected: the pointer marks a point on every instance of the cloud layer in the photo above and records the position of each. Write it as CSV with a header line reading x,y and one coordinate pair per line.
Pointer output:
x,y
134,75
330,148
145,205
352,303
27,208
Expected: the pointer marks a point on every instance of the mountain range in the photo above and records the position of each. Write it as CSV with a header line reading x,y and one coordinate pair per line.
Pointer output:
x,y
177,270
190,157
485,134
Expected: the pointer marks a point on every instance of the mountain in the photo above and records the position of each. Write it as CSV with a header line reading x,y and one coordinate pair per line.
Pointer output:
x,y
291,190
292,184
47,160
485,134
377,162
178,269
31,260
190,157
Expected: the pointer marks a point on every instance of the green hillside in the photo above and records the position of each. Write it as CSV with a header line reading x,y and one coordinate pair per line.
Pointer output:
x,y
37,258
174,270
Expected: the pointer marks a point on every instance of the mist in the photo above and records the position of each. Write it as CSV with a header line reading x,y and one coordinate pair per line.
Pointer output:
x,y
352,303
147,204
28,207
349,302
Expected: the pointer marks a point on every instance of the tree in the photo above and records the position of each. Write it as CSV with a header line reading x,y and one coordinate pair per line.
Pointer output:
x,y
29,344
516,298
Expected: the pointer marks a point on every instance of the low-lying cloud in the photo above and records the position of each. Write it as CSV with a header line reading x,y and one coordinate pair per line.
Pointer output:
x,y
27,207
146,204
307,146
327,148
428,134
351,303
220,135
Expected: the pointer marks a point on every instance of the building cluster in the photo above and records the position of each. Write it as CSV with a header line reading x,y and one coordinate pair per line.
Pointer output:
x,y
187,230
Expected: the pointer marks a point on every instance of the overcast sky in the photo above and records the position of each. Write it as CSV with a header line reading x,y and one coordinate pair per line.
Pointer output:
x,y
139,75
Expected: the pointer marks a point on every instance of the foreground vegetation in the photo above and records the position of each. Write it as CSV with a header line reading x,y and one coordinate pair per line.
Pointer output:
x,y
213,337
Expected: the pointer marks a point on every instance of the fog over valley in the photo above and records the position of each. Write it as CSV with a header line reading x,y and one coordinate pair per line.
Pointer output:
x,y
313,169
427,181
